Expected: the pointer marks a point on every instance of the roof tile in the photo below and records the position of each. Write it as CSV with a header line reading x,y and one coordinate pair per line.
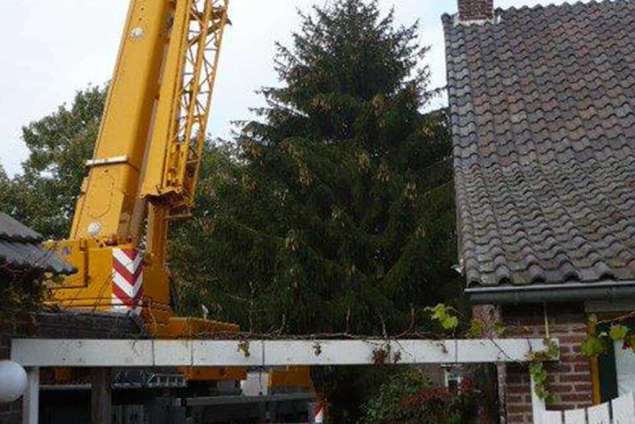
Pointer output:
x,y
543,116
20,248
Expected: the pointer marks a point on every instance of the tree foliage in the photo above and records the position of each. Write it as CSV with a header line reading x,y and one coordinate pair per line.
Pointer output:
x,y
333,212
407,397
44,195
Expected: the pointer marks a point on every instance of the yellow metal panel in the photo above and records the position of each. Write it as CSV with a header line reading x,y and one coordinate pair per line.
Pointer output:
x,y
214,374
96,293
109,202
193,328
73,252
291,377
111,189
156,287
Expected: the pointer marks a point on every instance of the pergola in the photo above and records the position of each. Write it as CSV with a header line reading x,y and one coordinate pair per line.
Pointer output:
x,y
33,354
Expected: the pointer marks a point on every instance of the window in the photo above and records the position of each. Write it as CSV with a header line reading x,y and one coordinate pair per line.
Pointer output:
x,y
616,369
453,379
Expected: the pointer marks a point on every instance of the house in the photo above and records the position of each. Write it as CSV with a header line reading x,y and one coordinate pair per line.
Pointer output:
x,y
24,264
542,104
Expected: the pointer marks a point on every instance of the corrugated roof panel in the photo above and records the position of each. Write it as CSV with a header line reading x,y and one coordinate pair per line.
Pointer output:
x,y
20,248
10,229
19,255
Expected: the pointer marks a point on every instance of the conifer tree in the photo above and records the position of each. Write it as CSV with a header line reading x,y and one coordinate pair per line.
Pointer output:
x,y
333,212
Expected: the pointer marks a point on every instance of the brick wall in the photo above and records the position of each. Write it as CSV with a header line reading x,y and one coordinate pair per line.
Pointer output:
x,y
473,10
569,380
78,325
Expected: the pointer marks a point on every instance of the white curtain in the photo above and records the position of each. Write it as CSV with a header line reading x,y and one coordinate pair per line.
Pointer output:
x,y
625,366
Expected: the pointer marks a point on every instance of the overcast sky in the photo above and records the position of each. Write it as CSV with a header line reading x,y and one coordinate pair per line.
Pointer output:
x,y
50,49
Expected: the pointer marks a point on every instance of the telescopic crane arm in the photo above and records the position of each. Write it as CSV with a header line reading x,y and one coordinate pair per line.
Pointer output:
x,y
146,160
144,172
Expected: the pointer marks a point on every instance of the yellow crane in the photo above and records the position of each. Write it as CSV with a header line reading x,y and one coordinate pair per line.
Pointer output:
x,y
145,166
144,171
146,161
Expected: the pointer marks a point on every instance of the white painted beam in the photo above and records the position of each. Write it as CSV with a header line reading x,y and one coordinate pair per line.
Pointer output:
x,y
538,406
31,398
229,353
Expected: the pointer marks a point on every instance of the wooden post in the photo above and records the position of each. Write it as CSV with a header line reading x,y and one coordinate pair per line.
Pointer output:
x,y
101,396
31,398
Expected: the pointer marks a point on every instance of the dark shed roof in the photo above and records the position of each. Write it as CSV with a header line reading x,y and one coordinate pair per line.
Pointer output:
x,y
20,248
543,115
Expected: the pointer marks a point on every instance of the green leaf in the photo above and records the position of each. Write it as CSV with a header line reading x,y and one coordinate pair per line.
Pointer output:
x,y
442,314
593,346
618,333
476,328
499,328
539,376
450,323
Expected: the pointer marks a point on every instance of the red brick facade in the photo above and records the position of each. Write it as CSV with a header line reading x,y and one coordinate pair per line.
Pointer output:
x,y
475,10
569,380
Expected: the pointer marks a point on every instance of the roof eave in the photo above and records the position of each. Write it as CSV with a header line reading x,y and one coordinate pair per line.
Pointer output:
x,y
609,291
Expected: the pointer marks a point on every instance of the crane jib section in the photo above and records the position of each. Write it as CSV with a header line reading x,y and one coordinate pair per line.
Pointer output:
x,y
155,122
147,156
176,146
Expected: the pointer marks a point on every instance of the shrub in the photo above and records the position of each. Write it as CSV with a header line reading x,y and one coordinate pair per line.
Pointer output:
x,y
409,398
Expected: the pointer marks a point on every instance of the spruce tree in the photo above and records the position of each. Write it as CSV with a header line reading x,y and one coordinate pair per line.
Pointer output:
x,y
332,212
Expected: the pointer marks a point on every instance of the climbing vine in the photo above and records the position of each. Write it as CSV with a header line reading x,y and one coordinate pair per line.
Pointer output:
x,y
539,376
538,372
445,315
448,319
597,342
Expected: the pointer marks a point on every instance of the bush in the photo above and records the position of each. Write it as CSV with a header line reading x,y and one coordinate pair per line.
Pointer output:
x,y
409,398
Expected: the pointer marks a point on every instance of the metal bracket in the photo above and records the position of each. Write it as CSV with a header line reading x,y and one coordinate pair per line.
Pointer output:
x,y
107,161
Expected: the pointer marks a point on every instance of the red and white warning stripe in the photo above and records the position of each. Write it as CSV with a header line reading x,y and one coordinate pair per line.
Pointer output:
x,y
318,413
127,280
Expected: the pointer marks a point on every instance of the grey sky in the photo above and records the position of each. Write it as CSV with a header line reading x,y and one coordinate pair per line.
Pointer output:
x,y
53,48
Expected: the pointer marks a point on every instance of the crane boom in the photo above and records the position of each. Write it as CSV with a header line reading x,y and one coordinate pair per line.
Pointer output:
x,y
109,194
145,170
177,142
146,162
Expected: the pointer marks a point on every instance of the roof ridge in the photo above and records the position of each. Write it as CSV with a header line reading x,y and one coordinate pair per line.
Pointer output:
x,y
565,4
550,5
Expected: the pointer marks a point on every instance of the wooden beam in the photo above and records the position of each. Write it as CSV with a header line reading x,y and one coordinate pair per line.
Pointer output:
x,y
31,398
268,353
101,396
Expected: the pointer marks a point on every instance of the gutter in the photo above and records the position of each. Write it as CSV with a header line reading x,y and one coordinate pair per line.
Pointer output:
x,y
610,291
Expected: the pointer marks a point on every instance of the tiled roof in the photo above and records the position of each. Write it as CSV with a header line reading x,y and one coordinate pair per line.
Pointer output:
x,y
20,249
543,116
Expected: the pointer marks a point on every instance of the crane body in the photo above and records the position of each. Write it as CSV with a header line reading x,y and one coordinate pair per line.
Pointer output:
x,y
144,172
145,166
